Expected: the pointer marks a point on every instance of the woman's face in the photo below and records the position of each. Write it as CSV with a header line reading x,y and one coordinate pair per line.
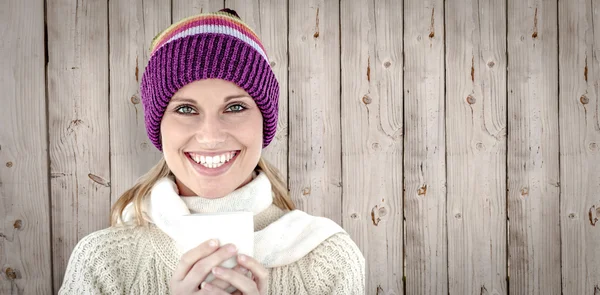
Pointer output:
x,y
212,135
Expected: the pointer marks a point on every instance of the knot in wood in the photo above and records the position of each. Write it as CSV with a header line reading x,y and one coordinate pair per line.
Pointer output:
x,y
10,274
306,191
471,99
18,224
584,99
422,190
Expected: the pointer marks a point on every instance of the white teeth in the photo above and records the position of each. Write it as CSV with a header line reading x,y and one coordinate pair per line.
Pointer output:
x,y
213,162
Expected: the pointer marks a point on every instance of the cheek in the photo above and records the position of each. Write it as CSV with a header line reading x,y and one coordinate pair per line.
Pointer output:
x,y
250,132
172,130
170,134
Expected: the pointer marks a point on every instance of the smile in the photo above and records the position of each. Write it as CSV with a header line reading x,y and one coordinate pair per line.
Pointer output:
x,y
214,161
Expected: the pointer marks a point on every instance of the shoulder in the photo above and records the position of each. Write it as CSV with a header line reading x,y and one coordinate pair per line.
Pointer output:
x,y
339,251
336,266
99,257
99,243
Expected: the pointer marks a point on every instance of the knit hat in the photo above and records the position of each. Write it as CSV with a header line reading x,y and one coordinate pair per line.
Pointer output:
x,y
208,46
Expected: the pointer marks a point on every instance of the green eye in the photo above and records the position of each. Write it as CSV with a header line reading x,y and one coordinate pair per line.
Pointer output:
x,y
236,108
185,110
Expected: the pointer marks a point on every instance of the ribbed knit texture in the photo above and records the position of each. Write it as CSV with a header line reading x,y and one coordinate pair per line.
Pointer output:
x,y
208,46
141,260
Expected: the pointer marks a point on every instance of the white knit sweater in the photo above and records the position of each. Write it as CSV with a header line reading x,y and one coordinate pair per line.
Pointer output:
x,y
141,260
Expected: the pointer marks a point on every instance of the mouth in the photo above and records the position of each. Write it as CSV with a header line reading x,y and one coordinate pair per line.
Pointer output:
x,y
214,163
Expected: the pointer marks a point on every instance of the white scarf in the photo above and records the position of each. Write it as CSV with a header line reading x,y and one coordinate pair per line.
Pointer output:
x,y
282,242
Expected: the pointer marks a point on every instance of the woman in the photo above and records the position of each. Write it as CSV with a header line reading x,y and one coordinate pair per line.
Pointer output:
x,y
210,103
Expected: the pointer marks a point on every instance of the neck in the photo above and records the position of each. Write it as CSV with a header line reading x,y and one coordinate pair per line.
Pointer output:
x,y
255,197
185,191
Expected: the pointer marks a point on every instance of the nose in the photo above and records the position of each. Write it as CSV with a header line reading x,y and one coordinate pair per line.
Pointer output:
x,y
211,132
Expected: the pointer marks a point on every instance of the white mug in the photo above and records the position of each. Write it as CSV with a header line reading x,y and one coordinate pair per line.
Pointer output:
x,y
227,227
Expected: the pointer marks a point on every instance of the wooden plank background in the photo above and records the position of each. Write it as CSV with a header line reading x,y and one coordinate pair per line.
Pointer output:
x,y
458,142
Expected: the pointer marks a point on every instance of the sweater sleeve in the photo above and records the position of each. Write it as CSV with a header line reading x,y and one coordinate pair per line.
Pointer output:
x,y
92,267
336,267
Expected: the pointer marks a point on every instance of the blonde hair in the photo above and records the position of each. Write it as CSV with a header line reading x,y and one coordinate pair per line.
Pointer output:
x,y
144,184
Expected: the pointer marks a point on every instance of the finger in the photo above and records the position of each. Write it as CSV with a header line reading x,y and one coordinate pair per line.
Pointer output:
x,y
202,268
188,259
236,279
224,284
260,274
208,288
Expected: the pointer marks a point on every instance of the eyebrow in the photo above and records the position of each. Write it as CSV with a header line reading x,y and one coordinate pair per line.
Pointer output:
x,y
227,98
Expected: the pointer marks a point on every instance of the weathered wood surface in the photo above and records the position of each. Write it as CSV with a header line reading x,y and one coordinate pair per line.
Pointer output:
x,y
372,137
314,108
476,146
25,253
425,148
132,28
579,128
78,124
533,142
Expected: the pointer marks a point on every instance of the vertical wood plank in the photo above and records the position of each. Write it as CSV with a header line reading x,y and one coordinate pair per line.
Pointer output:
x,y
78,102
579,126
476,146
186,8
533,170
269,19
25,251
425,148
314,91
133,25
372,136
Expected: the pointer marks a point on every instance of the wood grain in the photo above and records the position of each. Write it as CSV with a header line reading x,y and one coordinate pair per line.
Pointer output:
x,y
314,108
579,126
425,148
476,146
372,137
269,20
25,249
132,28
533,168
185,8
78,128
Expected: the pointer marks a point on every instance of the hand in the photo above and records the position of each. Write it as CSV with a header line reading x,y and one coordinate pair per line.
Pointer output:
x,y
196,264
255,285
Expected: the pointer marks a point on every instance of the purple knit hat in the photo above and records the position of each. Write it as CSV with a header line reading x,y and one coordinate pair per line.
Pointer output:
x,y
213,45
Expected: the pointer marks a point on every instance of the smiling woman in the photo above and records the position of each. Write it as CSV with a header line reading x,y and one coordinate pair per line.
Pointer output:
x,y
211,148
210,104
